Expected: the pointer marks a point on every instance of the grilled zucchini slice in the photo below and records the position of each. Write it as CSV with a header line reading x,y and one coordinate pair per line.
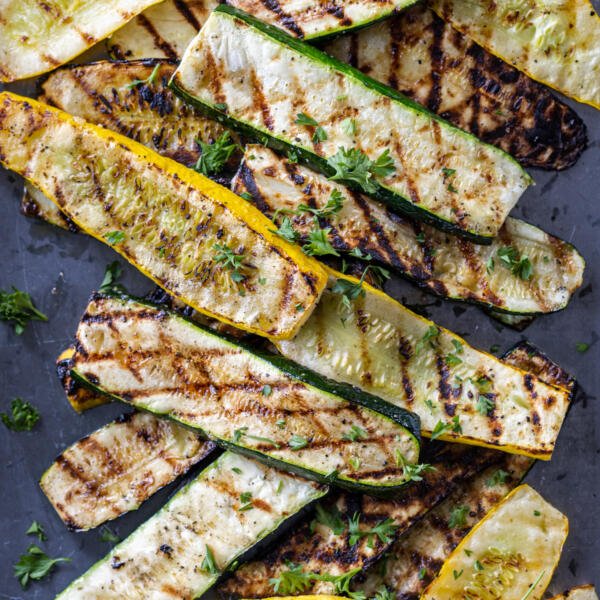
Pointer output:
x,y
170,222
416,557
106,93
183,549
452,268
40,36
416,162
555,43
164,31
369,340
426,59
258,404
511,552
581,592
119,466
336,556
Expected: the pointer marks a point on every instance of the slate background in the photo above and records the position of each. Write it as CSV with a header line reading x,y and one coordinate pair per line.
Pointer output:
x,y
60,270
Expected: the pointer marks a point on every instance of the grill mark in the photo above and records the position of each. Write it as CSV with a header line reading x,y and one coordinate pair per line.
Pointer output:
x,y
247,177
214,83
158,40
353,52
75,472
187,13
283,17
102,455
412,190
258,99
396,41
436,55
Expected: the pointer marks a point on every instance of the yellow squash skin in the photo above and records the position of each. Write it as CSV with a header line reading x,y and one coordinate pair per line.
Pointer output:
x,y
40,36
554,42
511,552
380,346
168,218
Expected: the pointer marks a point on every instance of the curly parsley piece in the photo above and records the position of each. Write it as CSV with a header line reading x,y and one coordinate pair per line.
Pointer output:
x,y
150,80
384,530
231,261
517,264
23,416
17,307
331,519
215,156
352,165
350,290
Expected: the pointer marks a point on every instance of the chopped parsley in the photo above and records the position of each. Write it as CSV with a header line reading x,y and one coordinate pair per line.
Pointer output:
x,y
34,565
518,264
429,338
457,574
384,594
36,529
238,434
267,390
297,442
17,307
318,243
231,261
304,119
106,535
422,573
458,517
533,586
112,274
499,477
292,581
23,416
330,518
384,530
246,501
582,347
150,80
320,135
484,405
356,433
247,196
286,230
442,428
350,290
208,564
349,126
214,156
354,166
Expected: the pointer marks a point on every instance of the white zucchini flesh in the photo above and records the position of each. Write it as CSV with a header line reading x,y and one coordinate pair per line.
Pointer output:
x,y
265,83
163,558
116,468
556,42
382,347
511,552
160,362
438,261
40,36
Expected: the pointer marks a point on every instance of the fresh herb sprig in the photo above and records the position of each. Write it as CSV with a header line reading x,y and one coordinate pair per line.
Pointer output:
x,y
215,156
518,264
34,565
23,416
17,307
231,261
353,166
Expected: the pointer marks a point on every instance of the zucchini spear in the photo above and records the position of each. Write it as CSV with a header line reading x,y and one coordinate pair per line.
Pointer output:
x,y
293,97
440,263
183,549
119,466
555,43
258,404
363,337
40,36
189,235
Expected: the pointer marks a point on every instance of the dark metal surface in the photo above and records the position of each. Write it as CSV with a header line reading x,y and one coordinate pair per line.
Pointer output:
x,y
60,270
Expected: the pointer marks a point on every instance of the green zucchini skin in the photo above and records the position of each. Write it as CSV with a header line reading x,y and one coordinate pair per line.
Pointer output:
x,y
202,346
393,199
157,561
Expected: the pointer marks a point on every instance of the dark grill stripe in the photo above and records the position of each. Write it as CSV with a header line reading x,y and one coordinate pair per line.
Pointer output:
x,y
158,40
283,17
187,13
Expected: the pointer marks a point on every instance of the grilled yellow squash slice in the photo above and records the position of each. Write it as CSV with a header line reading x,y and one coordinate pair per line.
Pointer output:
x,y
426,59
193,237
510,554
40,36
164,31
581,592
555,42
365,338
394,150
441,263
133,99
183,549
116,468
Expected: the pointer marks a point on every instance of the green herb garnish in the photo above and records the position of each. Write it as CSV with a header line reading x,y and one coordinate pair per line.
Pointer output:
x,y
36,529
518,264
354,166
17,307
208,564
297,442
215,156
331,518
231,261
34,565
356,433
458,517
150,80
23,416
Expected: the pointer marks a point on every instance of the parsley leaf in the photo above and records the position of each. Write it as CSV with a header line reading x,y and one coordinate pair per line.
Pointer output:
x,y
23,416
349,126
320,135
304,119
238,434
297,442
150,80
429,338
208,564
356,433
499,477
111,276
231,261
34,565
17,307
442,428
582,347
286,230
292,581
384,594
519,265
36,529
354,166
484,405
108,536
384,530
318,243
215,156
334,205
246,501
350,290
414,472
114,237
458,517
331,518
